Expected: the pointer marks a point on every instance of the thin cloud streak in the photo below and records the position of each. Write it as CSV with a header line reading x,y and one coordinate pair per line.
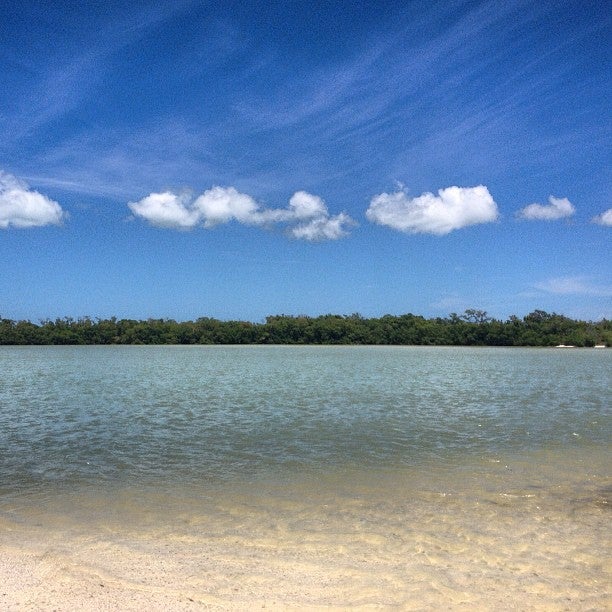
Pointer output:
x,y
365,87
67,81
359,102
573,285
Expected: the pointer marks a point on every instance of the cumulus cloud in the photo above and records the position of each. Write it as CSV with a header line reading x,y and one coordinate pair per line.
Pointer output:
x,y
306,215
604,219
303,205
224,204
314,222
166,210
22,207
453,208
323,228
558,208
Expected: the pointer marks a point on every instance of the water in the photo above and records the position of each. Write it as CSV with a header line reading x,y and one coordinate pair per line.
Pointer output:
x,y
309,476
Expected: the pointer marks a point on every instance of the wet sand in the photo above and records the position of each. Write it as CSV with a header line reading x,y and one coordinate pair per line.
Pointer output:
x,y
493,541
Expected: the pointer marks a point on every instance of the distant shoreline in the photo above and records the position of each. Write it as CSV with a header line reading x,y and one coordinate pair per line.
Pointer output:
x,y
472,328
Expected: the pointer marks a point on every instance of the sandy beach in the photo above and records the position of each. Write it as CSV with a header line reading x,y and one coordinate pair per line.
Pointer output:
x,y
100,576
499,552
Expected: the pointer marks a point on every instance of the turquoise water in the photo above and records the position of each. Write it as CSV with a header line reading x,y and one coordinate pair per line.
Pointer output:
x,y
92,415
310,450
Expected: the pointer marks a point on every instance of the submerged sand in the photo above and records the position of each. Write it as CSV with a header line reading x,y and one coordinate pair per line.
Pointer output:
x,y
497,540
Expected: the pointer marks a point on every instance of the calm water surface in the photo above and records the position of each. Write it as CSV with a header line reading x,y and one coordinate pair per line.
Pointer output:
x,y
398,456
89,415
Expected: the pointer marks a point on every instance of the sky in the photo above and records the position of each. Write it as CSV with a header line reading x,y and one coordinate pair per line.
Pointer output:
x,y
236,160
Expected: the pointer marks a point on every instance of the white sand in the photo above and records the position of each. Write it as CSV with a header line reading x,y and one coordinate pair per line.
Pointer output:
x,y
525,536
445,554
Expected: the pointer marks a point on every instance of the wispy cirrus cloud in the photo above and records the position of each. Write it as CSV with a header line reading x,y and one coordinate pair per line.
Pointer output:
x,y
119,162
23,207
558,208
349,94
605,218
73,71
573,285
427,101
362,100
306,215
453,208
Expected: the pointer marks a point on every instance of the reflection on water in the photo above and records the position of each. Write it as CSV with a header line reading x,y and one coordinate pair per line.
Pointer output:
x,y
303,476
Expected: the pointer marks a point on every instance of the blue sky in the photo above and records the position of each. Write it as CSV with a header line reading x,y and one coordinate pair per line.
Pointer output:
x,y
235,160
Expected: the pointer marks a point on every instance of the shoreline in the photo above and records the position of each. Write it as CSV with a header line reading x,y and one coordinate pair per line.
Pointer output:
x,y
466,548
305,479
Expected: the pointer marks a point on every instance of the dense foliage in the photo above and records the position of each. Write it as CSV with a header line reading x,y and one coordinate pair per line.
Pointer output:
x,y
472,328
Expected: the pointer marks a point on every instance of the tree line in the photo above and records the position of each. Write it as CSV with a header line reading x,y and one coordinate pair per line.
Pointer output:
x,y
472,328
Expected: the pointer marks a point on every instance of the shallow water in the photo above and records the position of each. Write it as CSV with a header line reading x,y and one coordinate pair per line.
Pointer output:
x,y
312,476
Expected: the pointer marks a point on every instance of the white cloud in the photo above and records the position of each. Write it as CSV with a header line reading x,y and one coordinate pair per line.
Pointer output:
x,y
315,224
22,207
304,205
224,204
559,208
453,208
604,219
573,285
215,206
306,215
323,228
166,210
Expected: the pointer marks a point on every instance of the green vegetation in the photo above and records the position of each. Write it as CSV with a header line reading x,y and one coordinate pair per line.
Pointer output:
x,y
472,328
